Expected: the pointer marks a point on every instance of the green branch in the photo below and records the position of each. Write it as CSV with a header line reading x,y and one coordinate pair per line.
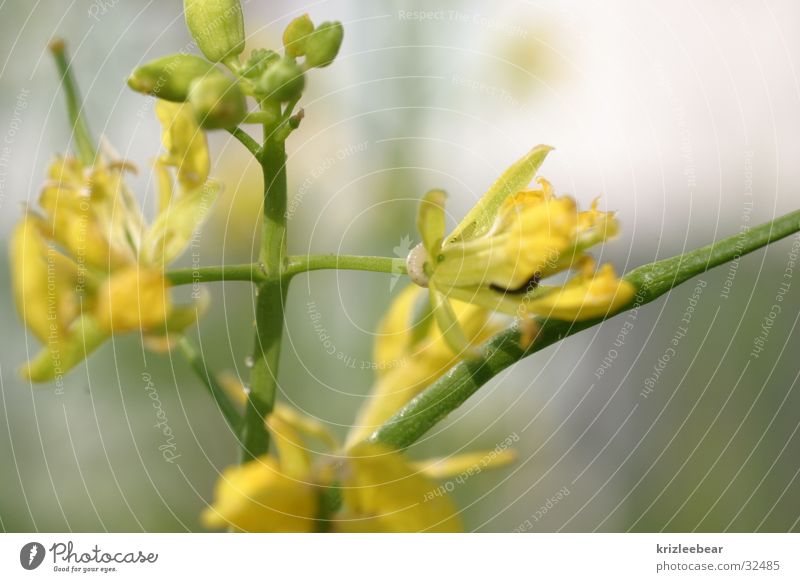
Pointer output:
x,y
226,406
302,263
247,272
247,141
83,137
651,281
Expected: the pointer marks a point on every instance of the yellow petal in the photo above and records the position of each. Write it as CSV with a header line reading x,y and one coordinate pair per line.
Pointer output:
x,y
392,340
134,299
585,297
258,497
479,220
174,227
306,425
60,356
431,221
292,451
414,366
44,283
469,463
185,143
233,386
383,492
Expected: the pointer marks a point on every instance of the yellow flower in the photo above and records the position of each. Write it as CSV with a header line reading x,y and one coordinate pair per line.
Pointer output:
x,y
507,244
380,490
367,487
412,355
86,265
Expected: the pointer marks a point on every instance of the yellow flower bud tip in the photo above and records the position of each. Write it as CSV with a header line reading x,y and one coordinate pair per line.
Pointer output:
x,y
217,27
322,46
282,81
217,102
295,34
170,77
57,45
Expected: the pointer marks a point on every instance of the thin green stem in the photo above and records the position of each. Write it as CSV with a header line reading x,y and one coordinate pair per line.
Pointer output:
x,y
302,263
289,109
651,281
247,141
271,296
260,117
195,360
247,272
83,137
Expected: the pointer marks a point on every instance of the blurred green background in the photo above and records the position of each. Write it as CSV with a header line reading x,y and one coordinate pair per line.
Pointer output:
x,y
684,117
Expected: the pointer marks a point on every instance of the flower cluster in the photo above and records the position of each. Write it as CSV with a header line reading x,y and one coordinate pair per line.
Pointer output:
x,y
86,264
219,100
365,485
512,240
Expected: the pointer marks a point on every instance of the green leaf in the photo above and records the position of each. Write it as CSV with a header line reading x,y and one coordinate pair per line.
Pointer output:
x,y
514,179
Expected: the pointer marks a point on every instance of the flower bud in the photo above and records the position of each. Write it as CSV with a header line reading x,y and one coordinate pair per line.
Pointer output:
x,y
259,61
294,37
218,102
217,27
283,81
169,77
323,44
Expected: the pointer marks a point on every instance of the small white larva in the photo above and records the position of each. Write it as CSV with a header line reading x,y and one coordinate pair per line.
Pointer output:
x,y
415,264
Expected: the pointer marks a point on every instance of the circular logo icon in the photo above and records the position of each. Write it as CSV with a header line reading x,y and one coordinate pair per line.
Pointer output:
x,y
31,555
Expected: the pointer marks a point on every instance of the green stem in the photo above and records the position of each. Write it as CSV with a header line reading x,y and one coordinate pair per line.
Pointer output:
x,y
302,263
247,141
83,137
247,272
226,406
651,281
261,117
271,296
